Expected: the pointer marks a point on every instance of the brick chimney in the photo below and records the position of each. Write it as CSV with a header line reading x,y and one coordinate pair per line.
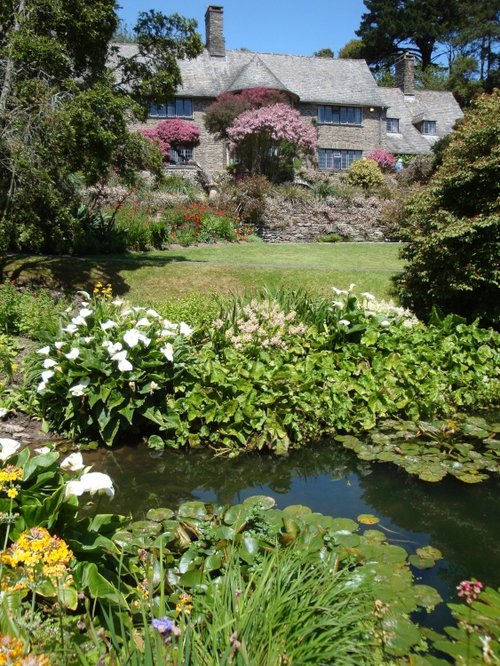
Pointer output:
x,y
214,31
405,74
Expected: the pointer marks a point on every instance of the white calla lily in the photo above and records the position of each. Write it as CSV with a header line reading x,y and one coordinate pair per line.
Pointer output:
x,y
73,463
73,353
8,447
91,482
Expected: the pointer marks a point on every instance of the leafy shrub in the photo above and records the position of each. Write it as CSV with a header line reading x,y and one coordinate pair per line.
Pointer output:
x,y
419,170
199,223
8,352
112,363
453,225
365,173
29,312
385,160
324,189
247,197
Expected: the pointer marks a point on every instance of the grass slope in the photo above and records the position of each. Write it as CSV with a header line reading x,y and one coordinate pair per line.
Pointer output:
x,y
154,276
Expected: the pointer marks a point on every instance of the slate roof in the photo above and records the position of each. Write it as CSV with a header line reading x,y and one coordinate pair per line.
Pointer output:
x,y
310,79
411,109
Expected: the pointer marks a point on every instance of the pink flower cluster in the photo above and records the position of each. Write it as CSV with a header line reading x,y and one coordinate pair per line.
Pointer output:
x,y
469,590
385,160
173,132
280,122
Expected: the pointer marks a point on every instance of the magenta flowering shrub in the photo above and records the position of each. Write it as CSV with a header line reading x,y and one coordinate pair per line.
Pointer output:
x,y
268,139
173,132
385,159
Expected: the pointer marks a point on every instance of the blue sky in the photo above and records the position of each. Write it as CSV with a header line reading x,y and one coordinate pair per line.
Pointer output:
x,y
290,26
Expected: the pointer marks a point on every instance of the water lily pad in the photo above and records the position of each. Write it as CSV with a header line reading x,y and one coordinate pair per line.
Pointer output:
x,y
426,596
261,501
192,510
429,552
159,515
432,474
421,562
374,535
344,524
145,528
367,519
123,538
297,510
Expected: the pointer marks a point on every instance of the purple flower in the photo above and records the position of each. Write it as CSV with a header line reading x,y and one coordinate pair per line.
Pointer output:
x,y
164,625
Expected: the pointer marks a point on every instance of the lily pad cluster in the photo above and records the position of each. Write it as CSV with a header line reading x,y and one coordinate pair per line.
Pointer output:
x,y
198,542
467,448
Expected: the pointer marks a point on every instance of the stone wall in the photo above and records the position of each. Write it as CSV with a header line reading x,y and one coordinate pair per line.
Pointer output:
x,y
358,219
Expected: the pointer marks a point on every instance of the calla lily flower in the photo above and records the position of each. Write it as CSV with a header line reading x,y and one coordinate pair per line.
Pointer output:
x,y
73,463
8,447
92,482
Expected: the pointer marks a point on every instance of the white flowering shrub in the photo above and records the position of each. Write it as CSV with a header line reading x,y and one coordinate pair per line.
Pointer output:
x,y
108,369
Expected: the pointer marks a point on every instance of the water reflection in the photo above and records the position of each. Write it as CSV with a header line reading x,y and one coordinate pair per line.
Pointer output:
x,y
457,518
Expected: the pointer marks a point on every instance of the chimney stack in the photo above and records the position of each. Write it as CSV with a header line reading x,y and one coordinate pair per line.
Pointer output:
x,y
405,74
214,31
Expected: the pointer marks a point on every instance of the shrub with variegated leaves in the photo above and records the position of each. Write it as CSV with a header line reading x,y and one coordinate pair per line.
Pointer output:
x,y
107,370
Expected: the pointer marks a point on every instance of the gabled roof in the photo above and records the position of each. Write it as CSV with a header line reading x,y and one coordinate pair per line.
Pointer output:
x,y
310,79
411,110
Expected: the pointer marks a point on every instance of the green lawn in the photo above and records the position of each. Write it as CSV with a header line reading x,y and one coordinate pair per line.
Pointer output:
x,y
154,276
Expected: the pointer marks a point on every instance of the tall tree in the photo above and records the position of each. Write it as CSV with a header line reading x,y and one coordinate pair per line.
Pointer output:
x,y
63,116
324,53
390,27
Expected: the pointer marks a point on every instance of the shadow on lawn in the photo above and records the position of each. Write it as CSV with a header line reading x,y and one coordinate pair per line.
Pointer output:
x,y
72,273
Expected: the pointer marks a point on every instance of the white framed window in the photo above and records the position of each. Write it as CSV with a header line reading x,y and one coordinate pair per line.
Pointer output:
x,y
340,115
392,125
180,154
337,159
180,107
429,127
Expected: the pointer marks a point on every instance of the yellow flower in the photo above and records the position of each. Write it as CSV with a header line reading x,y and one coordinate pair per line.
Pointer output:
x,y
183,605
12,492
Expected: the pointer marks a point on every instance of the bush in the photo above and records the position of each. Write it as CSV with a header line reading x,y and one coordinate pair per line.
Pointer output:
x,y
453,225
247,198
419,170
33,313
365,173
199,223
385,159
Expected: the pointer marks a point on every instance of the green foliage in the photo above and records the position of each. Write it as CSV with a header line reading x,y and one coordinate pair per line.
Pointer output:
x,y
8,352
365,173
353,49
324,53
199,223
32,313
453,225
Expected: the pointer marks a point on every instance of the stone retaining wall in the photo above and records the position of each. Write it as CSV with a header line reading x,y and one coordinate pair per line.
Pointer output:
x,y
305,221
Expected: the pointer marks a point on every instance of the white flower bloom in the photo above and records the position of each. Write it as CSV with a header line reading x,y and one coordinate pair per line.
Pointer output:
x,y
114,348
84,293
43,450
168,352
133,336
85,312
73,463
184,329
85,304
59,344
79,389
153,386
44,351
108,324
170,325
46,375
70,328
344,322
338,304
41,387
368,296
338,292
92,482
3,412
167,333
9,447
78,321
136,308
385,322
49,363
88,338
123,364
117,302
153,313
73,353
351,286
144,321
125,313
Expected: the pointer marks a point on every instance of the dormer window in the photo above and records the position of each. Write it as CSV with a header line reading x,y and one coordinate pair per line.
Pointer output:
x,y
429,127
180,107
340,115
392,125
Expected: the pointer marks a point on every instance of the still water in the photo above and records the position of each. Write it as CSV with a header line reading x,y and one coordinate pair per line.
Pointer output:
x,y
459,519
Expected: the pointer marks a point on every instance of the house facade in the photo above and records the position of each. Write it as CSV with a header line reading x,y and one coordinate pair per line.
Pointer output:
x,y
352,114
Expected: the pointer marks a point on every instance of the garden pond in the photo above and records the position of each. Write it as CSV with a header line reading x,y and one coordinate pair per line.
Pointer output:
x,y
458,519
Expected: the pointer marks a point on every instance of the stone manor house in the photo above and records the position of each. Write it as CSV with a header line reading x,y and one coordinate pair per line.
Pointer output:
x,y
353,115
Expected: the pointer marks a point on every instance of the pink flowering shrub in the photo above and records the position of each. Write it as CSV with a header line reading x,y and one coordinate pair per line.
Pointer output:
x,y
173,132
221,114
268,139
385,160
